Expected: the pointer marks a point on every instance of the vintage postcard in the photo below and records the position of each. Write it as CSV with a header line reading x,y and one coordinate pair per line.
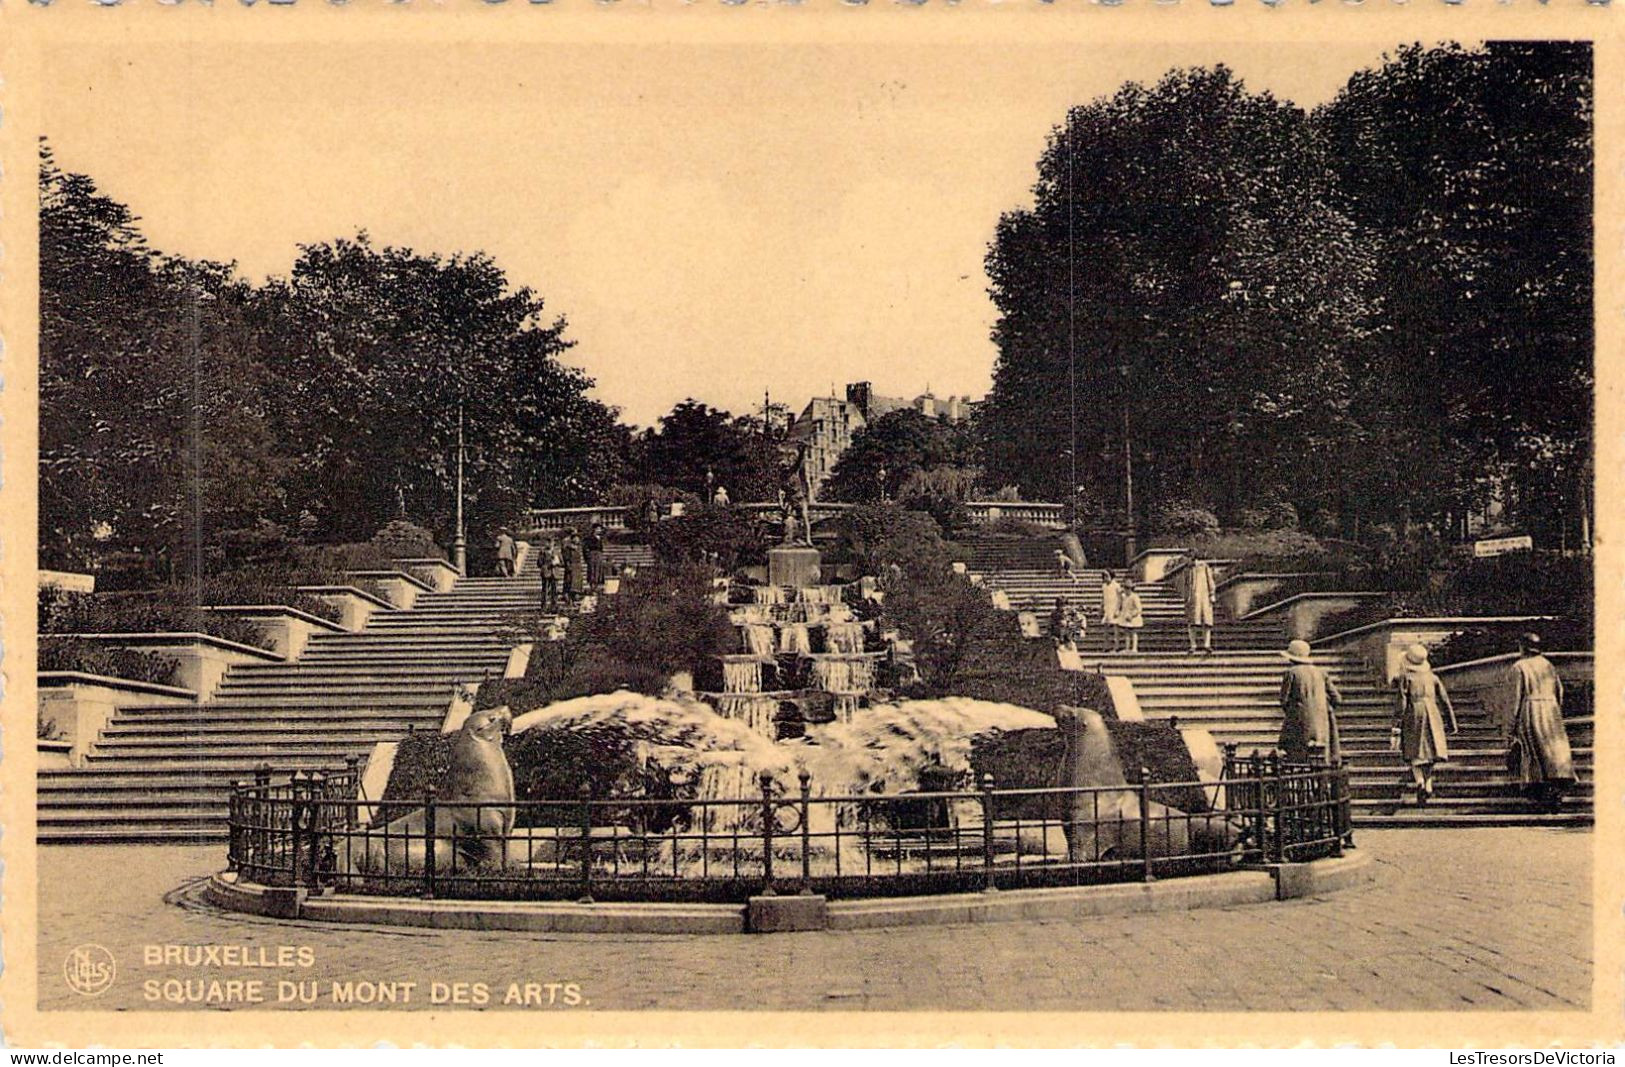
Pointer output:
x,y
529,524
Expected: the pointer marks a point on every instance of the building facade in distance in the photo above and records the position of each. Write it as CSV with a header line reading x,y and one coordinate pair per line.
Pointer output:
x,y
827,424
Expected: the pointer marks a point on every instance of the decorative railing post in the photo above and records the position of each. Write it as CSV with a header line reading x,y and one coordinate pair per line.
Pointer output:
x,y
1148,865
1227,774
313,827
1255,793
234,818
765,780
586,842
806,831
430,874
987,833
1278,774
1345,806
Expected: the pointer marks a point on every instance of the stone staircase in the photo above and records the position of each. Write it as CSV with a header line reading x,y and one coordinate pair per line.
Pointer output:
x,y
1027,573
1234,693
164,773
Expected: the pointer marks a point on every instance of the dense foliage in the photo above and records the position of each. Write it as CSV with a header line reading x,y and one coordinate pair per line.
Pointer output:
x,y
181,406
1378,313
660,622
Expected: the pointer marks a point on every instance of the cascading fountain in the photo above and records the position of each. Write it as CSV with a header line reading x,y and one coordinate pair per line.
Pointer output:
x,y
795,638
844,637
758,638
741,674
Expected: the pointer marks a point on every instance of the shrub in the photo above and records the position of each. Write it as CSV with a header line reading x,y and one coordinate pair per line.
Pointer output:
x,y
401,539
875,536
658,624
1281,515
735,536
1252,518
1185,519
269,587
1557,635
69,654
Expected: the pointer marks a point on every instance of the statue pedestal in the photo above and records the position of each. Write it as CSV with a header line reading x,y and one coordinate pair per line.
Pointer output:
x,y
793,566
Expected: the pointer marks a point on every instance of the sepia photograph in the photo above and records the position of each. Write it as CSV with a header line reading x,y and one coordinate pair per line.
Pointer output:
x,y
1001,523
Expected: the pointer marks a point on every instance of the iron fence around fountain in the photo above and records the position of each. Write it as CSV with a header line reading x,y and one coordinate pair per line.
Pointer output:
x,y
315,830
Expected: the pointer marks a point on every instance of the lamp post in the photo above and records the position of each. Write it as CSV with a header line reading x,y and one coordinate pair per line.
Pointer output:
x,y
1129,544
459,546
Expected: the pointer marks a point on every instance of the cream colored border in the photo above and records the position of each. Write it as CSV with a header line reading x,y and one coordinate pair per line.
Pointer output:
x,y
24,28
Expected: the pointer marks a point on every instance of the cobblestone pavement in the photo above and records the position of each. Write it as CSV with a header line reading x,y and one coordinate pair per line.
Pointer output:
x,y
1457,919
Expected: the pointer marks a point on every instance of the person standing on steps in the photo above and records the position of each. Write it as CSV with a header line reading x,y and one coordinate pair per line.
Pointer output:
x,y
1539,753
1111,605
1309,702
505,553
1199,602
1131,614
551,565
1418,731
575,566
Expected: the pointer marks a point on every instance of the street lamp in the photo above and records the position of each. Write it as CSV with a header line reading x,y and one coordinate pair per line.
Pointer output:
x,y
1129,544
459,545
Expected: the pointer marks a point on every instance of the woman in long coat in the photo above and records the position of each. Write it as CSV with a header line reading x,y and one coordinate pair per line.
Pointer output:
x,y
1539,754
1418,731
1308,704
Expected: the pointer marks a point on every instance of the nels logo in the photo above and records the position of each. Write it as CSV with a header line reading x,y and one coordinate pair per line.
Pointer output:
x,y
89,970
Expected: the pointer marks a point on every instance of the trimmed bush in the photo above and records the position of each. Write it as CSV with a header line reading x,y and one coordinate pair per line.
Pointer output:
x,y
735,536
168,610
1184,518
402,539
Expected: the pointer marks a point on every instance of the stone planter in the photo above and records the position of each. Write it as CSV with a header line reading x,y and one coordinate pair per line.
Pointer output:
x,y
356,606
287,629
78,705
433,571
67,581
400,589
1302,613
54,755
1490,680
1154,564
1382,644
1240,593
201,660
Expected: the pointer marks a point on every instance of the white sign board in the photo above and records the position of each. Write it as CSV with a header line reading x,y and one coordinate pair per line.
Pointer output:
x,y
1500,546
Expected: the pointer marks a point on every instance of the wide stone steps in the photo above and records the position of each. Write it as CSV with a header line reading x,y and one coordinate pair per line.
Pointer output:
x,y
164,773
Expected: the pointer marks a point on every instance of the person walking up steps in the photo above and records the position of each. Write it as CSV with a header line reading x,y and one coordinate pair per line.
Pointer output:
x,y
1308,706
1418,731
1539,753
1199,602
1131,614
505,553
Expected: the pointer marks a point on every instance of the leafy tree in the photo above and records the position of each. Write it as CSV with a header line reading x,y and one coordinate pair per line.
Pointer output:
x,y
694,440
153,436
1471,171
1181,274
378,349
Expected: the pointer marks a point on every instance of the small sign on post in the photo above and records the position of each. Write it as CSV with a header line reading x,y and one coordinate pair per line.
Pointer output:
x,y
1500,546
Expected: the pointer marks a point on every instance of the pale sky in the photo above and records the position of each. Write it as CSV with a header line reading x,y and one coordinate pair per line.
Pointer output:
x,y
712,221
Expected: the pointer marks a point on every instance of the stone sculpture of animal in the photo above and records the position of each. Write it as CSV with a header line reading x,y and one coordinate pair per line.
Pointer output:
x,y
474,811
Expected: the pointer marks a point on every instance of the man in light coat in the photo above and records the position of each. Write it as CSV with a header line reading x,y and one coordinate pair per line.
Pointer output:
x,y
1199,602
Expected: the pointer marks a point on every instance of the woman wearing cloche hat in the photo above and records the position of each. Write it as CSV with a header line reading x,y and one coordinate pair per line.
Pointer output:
x,y
1418,731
